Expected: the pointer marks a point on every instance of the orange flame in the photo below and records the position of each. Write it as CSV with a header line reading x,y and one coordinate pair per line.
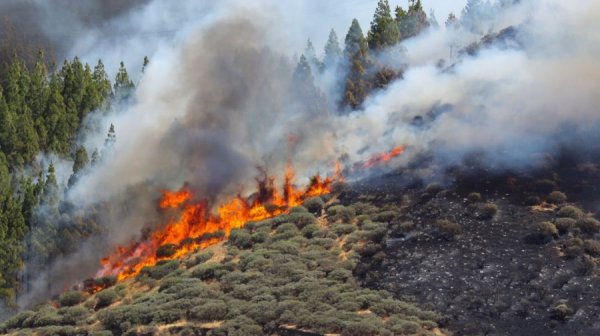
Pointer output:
x,y
379,158
197,228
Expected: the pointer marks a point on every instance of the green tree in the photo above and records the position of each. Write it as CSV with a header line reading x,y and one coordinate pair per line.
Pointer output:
x,y
355,41
81,161
102,83
384,31
51,193
145,64
333,53
412,22
123,85
8,131
56,120
452,22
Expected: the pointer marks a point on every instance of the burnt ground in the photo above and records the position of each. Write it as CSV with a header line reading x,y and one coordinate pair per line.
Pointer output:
x,y
493,278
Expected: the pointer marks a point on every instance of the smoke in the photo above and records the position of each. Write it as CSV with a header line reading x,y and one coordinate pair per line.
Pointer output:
x,y
218,100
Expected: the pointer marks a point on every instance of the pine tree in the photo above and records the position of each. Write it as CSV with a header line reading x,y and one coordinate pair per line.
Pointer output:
x,y
101,82
413,22
384,32
109,143
311,56
474,15
355,41
50,194
81,161
39,89
452,22
303,72
333,53
95,157
56,120
8,131
123,85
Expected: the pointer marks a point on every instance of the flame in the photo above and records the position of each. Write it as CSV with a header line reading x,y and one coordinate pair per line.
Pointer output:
x,y
197,227
379,158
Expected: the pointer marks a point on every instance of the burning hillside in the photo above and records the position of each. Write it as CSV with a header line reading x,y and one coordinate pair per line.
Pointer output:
x,y
197,228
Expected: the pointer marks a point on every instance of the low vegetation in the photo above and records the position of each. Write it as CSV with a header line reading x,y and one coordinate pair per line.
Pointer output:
x,y
287,273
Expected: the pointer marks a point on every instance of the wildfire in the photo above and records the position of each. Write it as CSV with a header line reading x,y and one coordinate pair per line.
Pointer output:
x,y
383,157
198,228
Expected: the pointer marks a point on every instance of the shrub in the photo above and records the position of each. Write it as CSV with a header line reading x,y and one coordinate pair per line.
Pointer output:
x,y
101,333
570,212
543,233
573,248
474,197
561,311
564,224
362,328
592,247
210,310
385,216
588,225
533,200
340,212
199,258
487,211
298,208
557,197
240,238
71,298
166,251
309,230
301,219
72,315
449,229
239,326
402,327
314,205
545,186
326,243
343,229
17,320
209,270
340,274
361,208
259,237
160,270
105,298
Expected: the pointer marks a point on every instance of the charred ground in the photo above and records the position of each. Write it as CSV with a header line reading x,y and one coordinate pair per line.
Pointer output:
x,y
497,253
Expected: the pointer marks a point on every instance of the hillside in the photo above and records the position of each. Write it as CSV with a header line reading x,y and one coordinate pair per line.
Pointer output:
x,y
289,275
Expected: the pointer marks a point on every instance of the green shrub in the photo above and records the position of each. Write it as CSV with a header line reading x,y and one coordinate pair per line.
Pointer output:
x,y
340,212
314,205
199,258
557,197
385,216
564,224
403,327
340,274
101,333
73,315
240,238
160,270
209,270
17,320
298,208
166,251
259,237
592,247
588,225
362,328
343,229
239,326
366,209
210,310
546,229
570,212
474,197
71,298
487,211
326,243
302,219
448,229
309,230
105,298
573,247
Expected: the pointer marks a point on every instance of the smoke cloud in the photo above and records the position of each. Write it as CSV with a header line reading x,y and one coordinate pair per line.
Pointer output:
x,y
217,100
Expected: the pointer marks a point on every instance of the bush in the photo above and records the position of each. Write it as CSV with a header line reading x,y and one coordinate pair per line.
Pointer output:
x,y
199,258
73,315
210,310
309,230
301,219
362,328
343,229
474,197
573,248
105,298
570,211
385,216
487,211
71,298
449,229
592,247
557,197
543,233
588,225
564,224
101,333
209,270
166,251
239,326
561,311
240,238
340,212
533,200
298,208
314,205
160,270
